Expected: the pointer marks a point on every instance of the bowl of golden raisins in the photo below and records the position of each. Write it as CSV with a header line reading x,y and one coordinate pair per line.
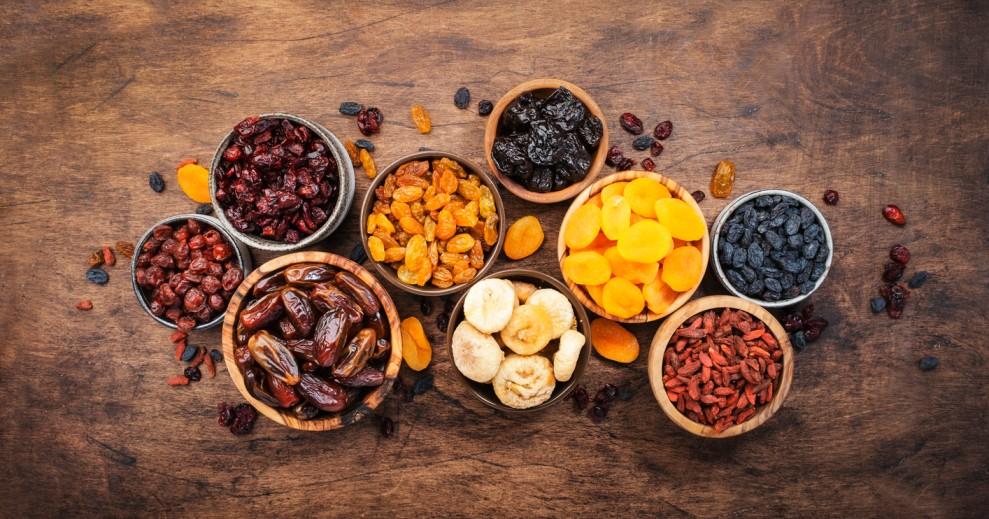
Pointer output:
x,y
634,246
433,223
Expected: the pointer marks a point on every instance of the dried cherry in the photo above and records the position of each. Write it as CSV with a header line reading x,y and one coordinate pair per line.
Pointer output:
x,y
630,123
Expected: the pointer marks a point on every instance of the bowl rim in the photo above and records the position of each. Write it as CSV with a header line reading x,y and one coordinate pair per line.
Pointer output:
x,y
660,342
675,189
491,133
726,213
372,399
243,259
385,271
338,213
583,325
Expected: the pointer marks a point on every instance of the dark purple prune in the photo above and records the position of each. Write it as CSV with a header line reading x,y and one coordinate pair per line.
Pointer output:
x,y
485,107
156,182
541,180
663,130
642,143
590,132
545,143
350,108
575,162
461,98
510,159
630,123
564,110
520,113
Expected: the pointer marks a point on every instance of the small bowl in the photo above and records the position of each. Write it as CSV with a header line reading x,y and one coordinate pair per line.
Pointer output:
x,y
545,86
485,392
626,176
654,365
387,272
337,214
242,253
356,411
726,213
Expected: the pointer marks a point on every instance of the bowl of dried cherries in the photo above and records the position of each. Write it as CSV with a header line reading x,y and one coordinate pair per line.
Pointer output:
x,y
312,340
186,269
720,366
280,183
545,140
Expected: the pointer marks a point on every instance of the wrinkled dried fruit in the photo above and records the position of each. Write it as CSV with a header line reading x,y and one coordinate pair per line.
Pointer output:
x,y
656,148
484,107
630,123
369,120
613,342
899,254
523,238
622,298
698,196
352,152
683,268
350,108
648,164
831,197
918,279
156,182
416,350
642,143
85,304
663,130
108,258
420,117
723,179
125,249
461,99
367,163
194,181
893,271
586,268
894,215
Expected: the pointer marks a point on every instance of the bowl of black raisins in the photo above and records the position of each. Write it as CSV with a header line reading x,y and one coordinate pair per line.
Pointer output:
x,y
771,247
545,140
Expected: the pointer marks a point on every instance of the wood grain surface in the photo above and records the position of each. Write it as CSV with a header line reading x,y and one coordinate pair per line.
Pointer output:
x,y
886,102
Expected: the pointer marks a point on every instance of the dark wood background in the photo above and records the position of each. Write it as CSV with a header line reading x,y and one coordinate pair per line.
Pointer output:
x,y
885,102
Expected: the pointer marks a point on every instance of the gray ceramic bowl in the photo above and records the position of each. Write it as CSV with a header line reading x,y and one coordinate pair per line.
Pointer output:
x,y
345,172
726,214
243,259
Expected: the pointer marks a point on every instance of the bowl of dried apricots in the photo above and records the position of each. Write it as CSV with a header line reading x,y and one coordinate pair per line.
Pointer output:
x,y
634,246
433,223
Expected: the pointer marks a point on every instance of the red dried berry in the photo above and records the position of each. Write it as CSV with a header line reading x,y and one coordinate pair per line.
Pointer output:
x,y
615,156
655,148
793,322
893,271
648,164
698,196
896,297
178,380
663,130
894,215
85,304
631,123
369,121
899,254
625,165
831,197
807,312
244,417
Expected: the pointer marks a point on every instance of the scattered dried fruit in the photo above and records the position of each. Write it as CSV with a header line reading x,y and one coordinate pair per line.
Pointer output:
x,y
877,304
108,258
178,380
387,427
365,144
656,148
723,179
194,181
928,363
95,259
485,107
893,271
663,130
918,279
367,162
416,350
97,275
831,197
204,209
524,237
461,98
899,254
156,182
352,152
642,143
420,117
698,196
125,249
193,374
614,342
369,121
85,304
894,215
630,123
648,164
350,108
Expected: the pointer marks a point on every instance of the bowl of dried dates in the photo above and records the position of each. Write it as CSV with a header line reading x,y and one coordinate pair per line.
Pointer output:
x,y
312,340
720,366
772,247
545,140
519,340
633,247
281,183
186,269
433,223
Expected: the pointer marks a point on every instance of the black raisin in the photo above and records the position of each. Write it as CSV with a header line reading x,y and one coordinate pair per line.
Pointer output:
x,y
918,279
422,385
928,363
204,209
156,182
364,143
97,275
642,143
358,254
425,306
193,374
698,196
350,108
189,353
462,98
877,304
598,413
799,340
216,355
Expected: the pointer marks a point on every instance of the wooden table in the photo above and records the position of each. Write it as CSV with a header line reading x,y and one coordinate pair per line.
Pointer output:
x,y
884,103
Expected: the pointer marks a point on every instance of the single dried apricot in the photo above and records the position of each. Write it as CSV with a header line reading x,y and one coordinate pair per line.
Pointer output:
x,y
614,189
367,163
408,194
415,345
597,293
613,342
600,244
421,119
415,253
682,220
622,298
640,273
587,268
583,227
682,268
523,238
642,194
194,181
460,243
376,248
446,226
645,242
658,295
616,216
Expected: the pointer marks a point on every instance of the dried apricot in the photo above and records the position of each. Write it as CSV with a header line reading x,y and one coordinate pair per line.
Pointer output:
x,y
415,346
640,273
421,119
194,181
645,242
376,248
587,268
460,243
682,220
583,227
616,216
595,200
614,189
642,194
622,298
523,238
682,268
613,342
415,253
658,295
600,244
597,293
367,163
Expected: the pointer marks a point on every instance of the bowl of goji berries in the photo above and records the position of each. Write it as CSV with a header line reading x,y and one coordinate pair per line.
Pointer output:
x,y
720,366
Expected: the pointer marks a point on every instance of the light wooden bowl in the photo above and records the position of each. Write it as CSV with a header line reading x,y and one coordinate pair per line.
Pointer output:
x,y
544,86
661,340
485,392
625,176
385,271
357,411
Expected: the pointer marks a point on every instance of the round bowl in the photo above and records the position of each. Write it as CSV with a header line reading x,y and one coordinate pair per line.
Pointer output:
x,y
242,253
654,364
387,272
485,392
726,213
337,214
540,86
356,411
625,176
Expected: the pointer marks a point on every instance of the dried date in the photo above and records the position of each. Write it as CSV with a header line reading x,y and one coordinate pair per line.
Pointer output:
x,y
326,395
274,357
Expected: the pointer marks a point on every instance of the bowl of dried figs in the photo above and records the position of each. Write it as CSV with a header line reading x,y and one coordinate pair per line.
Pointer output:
x,y
633,247
720,366
545,140
185,270
312,340
433,223
279,182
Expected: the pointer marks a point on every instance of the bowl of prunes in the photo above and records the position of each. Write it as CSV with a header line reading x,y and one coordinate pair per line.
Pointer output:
x,y
546,140
312,341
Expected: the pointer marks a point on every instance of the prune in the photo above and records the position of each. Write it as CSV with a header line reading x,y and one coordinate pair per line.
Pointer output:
x,y
350,108
642,143
520,113
484,107
326,395
97,275
541,180
663,130
545,142
564,110
156,182
461,98
369,121
918,279
510,159
928,363
630,123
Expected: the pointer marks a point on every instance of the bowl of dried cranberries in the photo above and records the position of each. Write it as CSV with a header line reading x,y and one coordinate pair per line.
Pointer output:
x,y
280,183
545,140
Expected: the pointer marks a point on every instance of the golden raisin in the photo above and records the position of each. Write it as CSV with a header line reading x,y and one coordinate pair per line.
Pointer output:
x,y
376,248
486,203
415,253
476,255
400,209
460,243
408,194
367,163
411,225
524,237
352,152
421,119
442,278
436,201
446,226
491,230
466,217
468,191
393,254
723,179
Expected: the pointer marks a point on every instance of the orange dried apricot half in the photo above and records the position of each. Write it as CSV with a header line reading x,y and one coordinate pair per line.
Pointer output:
x,y
415,346
583,227
680,218
647,241
611,190
682,268
635,272
642,194
659,296
194,181
622,298
613,342
597,293
587,268
616,216
523,238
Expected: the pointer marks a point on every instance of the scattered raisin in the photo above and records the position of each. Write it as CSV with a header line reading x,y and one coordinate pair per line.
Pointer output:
x,y
442,321
615,156
204,209
813,328
369,120
225,414
656,148
877,304
85,304
598,413
631,123
793,322
125,249
698,196
216,355
663,130
580,398
648,164
899,254
462,98
643,142
244,417
350,108
485,107
928,363
97,275
918,279
95,259
387,427
156,182
626,164
425,306
893,271
799,340
831,197
193,374
894,215
364,143
189,353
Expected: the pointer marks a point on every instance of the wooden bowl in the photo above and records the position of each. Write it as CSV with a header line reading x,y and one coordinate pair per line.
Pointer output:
x,y
485,392
625,176
660,341
386,271
544,86
356,411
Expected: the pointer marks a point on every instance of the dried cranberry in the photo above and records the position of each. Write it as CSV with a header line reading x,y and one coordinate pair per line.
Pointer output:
x,y
226,414
698,196
244,417
626,164
615,156
663,130
893,271
793,322
656,148
185,323
813,328
369,121
232,278
831,197
631,123
899,254
807,312
598,413
648,164
580,398
222,251
894,215
896,296
193,300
